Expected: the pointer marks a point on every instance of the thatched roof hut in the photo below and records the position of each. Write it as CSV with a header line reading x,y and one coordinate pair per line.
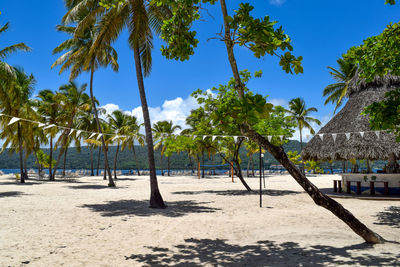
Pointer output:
x,y
350,120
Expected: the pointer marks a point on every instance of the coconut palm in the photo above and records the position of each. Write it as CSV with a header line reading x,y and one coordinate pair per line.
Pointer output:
x,y
132,129
49,108
299,114
162,131
5,69
117,121
80,57
74,102
14,95
142,20
336,92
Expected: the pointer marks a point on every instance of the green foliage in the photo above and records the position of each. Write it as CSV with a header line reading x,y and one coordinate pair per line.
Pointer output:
x,y
259,35
312,165
385,115
43,159
294,157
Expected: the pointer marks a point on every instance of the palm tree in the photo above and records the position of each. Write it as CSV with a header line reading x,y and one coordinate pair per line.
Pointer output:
x,y
164,130
5,69
132,127
300,115
80,57
49,107
117,121
336,92
142,19
74,102
87,123
14,95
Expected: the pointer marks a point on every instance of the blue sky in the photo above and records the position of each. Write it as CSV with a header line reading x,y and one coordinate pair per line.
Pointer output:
x,y
321,31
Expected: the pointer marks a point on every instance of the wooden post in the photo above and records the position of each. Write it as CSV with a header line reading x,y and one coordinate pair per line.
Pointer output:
x,y
198,169
340,186
358,188
232,172
334,186
386,188
348,184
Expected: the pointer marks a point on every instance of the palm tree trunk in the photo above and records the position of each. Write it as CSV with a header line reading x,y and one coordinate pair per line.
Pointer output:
x,y
98,161
202,163
136,161
22,177
279,154
51,178
248,166
25,164
65,160
156,200
162,170
301,150
168,166
115,162
106,166
252,166
91,161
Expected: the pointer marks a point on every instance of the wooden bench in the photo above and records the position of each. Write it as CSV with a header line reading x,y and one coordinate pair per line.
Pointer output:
x,y
337,184
371,187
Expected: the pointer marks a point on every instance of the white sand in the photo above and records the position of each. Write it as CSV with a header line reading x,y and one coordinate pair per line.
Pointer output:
x,y
208,222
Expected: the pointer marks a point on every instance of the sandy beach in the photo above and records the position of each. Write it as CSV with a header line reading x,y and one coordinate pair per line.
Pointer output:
x,y
208,222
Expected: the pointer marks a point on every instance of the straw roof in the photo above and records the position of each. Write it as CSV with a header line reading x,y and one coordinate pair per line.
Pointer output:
x,y
350,120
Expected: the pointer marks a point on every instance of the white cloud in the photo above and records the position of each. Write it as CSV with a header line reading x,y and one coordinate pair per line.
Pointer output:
x,y
175,110
277,2
278,102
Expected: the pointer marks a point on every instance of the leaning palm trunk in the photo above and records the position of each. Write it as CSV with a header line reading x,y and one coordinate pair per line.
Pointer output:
x,y
65,161
156,200
91,161
22,177
51,178
115,162
106,166
280,155
161,163
26,164
98,161
168,166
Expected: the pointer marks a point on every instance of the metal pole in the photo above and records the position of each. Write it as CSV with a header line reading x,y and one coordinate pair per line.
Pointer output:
x,y
260,180
262,167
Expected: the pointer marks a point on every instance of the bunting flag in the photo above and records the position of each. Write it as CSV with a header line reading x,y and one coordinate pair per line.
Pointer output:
x,y
99,136
213,138
348,136
362,134
281,137
269,138
377,134
49,126
115,137
204,137
92,135
194,137
78,133
71,132
307,136
41,125
321,136
334,137
235,138
13,120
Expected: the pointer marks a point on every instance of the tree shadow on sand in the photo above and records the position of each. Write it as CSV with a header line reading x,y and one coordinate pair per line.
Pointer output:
x,y
265,192
94,186
216,252
391,217
141,208
11,194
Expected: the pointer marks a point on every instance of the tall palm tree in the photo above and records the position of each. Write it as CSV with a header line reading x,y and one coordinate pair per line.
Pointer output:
x,y
336,92
162,131
80,57
300,114
5,69
142,20
14,95
117,121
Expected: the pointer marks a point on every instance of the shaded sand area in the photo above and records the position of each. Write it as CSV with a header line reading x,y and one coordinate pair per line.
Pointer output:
x,y
209,222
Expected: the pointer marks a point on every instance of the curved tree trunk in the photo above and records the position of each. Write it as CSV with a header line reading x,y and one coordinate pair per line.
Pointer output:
x,y
161,163
156,200
115,162
301,150
21,168
279,154
168,166
248,167
25,164
136,161
106,166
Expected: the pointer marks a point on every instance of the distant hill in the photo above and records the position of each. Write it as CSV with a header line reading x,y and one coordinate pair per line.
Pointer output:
x,y
81,160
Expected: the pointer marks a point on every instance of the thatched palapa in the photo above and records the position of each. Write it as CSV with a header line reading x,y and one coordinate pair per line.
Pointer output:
x,y
350,120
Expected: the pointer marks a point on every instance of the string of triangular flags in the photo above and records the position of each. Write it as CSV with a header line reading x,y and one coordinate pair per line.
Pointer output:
x,y
213,137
